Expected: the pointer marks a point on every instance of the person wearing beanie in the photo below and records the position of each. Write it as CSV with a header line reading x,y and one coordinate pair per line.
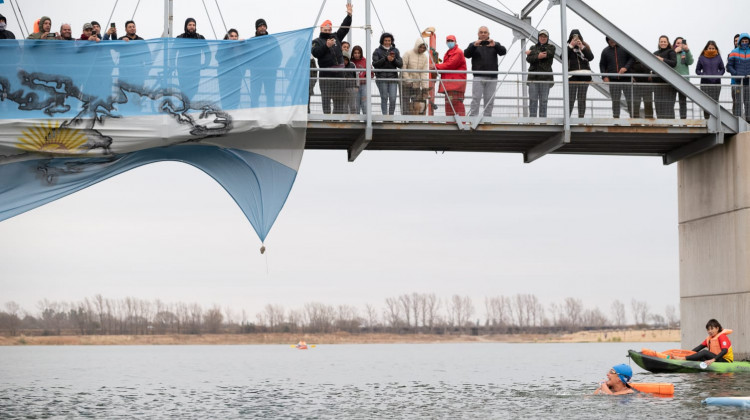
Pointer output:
x,y
387,57
453,85
263,77
617,381
327,49
483,53
190,59
261,28
4,33
579,71
45,25
540,58
738,64
710,63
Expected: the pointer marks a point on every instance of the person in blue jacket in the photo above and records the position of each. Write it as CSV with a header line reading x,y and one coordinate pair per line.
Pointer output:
x,y
739,65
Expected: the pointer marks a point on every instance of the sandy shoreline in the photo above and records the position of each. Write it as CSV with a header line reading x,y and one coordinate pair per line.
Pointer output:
x,y
343,338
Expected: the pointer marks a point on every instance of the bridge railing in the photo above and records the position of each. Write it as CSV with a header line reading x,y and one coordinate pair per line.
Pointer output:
x,y
412,96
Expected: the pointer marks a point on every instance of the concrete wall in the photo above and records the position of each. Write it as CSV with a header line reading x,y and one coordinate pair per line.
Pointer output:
x,y
714,227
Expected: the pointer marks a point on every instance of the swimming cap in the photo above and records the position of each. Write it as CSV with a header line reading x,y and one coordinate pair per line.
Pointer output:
x,y
624,372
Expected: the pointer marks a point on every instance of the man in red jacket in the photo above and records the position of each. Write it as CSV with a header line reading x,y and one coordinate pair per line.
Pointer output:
x,y
453,84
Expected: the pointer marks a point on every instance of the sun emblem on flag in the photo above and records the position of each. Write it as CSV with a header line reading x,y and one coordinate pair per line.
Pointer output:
x,y
50,137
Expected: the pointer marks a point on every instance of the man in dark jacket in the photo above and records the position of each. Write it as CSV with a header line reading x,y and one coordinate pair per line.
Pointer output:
x,y
264,73
483,53
190,60
540,58
643,91
616,59
4,33
327,49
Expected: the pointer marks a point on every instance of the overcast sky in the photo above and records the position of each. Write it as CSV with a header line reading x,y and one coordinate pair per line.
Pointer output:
x,y
596,228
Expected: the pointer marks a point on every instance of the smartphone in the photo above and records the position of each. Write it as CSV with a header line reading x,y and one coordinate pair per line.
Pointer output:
x,y
392,54
112,25
484,43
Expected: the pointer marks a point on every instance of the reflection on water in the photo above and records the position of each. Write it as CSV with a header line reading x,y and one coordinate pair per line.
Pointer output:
x,y
492,380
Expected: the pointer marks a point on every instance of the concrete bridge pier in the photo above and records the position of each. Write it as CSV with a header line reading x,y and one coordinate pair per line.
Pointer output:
x,y
714,229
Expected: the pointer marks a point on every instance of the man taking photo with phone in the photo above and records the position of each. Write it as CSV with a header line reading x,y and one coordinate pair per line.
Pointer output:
x,y
483,54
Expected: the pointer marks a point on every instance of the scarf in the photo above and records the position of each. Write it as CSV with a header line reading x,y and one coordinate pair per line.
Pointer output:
x,y
710,54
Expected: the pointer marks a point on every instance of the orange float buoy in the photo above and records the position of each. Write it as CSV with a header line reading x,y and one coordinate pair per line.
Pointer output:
x,y
661,388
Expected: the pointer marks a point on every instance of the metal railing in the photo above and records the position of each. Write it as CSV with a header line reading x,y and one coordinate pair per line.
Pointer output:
x,y
509,97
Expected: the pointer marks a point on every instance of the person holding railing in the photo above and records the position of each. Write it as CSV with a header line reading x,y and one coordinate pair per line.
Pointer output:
x,y
387,57
739,65
664,93
453,85
710,63
684,60
483,54
414,85
615,59
540,58
579,71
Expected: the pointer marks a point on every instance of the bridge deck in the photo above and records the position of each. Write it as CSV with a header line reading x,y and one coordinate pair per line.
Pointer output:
x,y
635,137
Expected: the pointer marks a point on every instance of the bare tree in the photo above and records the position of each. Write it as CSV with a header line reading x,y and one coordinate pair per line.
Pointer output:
x,y
594,318
640,311
371,317
13,318
572,312
461,310
430,311
213,319
618,313
673,319
392,313
405,301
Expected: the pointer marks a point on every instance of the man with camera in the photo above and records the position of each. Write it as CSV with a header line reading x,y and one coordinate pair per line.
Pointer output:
x,y
483,54
540,58
327,49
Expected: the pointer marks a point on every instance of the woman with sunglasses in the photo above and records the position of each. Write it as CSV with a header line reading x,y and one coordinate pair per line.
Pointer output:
x,y
617,381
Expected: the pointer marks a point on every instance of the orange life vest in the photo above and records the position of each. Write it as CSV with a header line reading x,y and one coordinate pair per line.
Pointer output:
x,y
715,348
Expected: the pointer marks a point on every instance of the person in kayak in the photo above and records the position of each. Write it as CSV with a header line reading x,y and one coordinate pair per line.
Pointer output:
x,y
617,381
715,348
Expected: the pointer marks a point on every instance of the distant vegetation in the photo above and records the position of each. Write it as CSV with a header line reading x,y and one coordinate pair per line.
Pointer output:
x,y
405,314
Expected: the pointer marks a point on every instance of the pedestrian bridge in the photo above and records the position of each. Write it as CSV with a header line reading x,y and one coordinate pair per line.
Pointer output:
x,y
509,129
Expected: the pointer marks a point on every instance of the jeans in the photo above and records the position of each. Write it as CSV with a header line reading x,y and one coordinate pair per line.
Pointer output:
x,y
388,92
363,99
483,87
538,95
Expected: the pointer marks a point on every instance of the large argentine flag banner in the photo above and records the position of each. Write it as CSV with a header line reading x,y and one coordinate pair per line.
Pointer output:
x,y
74,113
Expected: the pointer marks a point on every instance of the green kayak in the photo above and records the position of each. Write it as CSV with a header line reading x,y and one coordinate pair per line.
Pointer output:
x,y
659,365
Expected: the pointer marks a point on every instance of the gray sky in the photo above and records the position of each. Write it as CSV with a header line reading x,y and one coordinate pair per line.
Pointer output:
x,y
593,227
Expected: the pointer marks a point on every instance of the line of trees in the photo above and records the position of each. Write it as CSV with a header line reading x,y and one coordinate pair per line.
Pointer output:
x,y
404,314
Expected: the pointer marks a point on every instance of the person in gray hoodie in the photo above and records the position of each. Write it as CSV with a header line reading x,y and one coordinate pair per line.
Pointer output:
x,y
45,26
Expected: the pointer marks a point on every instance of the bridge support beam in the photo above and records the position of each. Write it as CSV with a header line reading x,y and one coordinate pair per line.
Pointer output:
x,y
714,229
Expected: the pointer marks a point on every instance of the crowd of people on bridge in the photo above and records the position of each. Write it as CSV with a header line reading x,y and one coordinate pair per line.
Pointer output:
x,y
409,77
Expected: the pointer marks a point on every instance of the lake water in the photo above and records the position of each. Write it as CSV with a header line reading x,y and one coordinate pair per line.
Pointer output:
x,y
478,380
